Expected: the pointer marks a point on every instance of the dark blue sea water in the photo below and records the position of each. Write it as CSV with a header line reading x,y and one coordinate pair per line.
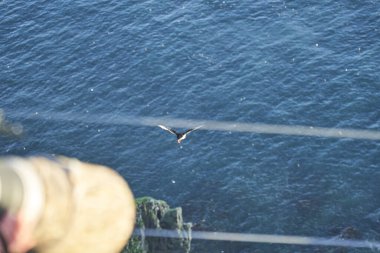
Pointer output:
x,y
314,63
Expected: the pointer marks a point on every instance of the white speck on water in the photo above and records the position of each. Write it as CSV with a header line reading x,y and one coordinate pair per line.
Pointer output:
x,y
316,44
24,148
36,113
298,165
74,103
293,59
346,70
92,89
265,62
86,111
98,130
173,181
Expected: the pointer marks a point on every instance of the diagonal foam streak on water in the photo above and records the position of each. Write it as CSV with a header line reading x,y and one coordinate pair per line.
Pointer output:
x,y
260,238
108,118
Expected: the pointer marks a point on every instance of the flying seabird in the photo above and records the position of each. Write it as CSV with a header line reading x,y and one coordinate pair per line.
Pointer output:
x,y
180,136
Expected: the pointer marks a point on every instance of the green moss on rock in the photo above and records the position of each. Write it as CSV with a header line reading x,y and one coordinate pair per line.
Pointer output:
x,y
156,214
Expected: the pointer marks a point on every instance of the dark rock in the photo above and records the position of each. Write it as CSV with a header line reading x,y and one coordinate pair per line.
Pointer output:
x,y
156,214
172,219
350,233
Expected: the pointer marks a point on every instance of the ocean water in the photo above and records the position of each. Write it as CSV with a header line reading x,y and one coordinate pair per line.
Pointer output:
x,y
314,63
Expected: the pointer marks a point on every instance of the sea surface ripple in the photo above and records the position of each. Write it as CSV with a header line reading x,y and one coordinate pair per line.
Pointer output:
x,y
313,63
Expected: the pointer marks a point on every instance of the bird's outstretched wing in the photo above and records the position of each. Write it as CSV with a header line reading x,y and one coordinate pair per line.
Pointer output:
x,y
193,129
168,129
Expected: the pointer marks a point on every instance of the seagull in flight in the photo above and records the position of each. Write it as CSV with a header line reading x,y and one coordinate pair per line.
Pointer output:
x,y
180,136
